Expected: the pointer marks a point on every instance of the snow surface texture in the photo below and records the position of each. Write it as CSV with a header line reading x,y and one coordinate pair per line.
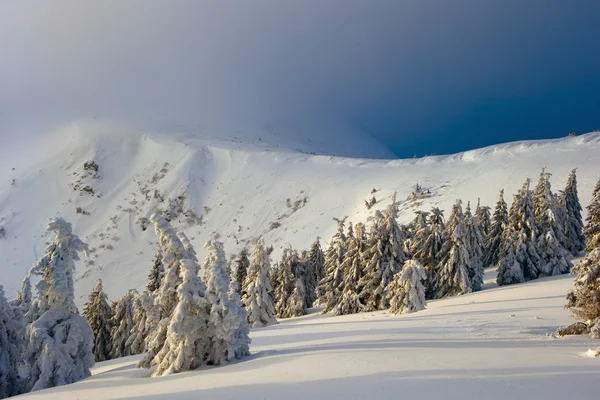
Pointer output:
x,y
235,191
485,345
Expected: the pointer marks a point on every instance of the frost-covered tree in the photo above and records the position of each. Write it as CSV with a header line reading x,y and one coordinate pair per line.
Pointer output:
x,y
257,286
122,324
476,240
406,292
11,383
227,319
241,270
484,218
23,299
592,221
306,274
187,339
519,241
352,267
157,272
495,231
314,265
552,254
286,282
383,258
455,264
427,245
142,311
297,301
98,313
328,288
574,239
60,342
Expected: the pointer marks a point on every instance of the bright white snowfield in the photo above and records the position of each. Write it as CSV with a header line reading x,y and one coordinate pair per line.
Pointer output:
x,y
486,345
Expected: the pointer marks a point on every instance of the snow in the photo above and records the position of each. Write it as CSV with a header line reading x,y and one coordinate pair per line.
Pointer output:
x,y
491,344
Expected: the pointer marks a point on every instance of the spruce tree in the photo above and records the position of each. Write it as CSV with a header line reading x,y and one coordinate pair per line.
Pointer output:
x,y
98,313
315,265
454,267
142,311
552,254
484,218
286,282
59,342
23,298
296,306
406,292
575,241
427,246
257,287
519,241
11,383
122,324
592,221
476,240
494,235
328,288
383,258
352,268
309,279
157,272
241,270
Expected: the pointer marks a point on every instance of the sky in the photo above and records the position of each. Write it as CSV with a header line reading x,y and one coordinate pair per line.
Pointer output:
x,y
423,77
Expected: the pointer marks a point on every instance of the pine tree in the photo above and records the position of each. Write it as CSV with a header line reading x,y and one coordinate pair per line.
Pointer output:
x,y
315,266
328,288
575,241
296,306
453,270
427,246
494,235
59,342
475,238
98,313
157,272
227,319
406,292
352,267
142,326
286,282
518,244
484,218
309,279
122,324
552,254
11,383
187,338
383,258
592,221
257,286
241,270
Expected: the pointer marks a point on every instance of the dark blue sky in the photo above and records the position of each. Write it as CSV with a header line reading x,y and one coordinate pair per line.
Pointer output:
x,y
436,76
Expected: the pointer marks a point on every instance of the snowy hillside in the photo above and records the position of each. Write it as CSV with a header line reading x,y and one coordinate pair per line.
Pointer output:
x,y
485,345
108,180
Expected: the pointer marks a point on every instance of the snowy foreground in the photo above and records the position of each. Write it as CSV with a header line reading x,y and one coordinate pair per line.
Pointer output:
x,y
487,345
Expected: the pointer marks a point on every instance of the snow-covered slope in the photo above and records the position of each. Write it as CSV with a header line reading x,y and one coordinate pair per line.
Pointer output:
x,y
486,345
234,189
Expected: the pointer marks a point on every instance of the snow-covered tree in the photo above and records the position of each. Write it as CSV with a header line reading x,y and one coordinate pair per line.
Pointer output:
x,y
552,254
122,324
427,246
257,286
518,244
406,292
315,266
383,258
484,217
494,235
297,301
142,327
286,282
241,270
23,299
455,264
476,240
574,239
307,275
187,338
11,383
98,313
352,267
328,288
60,342
226,319
157,272
592,221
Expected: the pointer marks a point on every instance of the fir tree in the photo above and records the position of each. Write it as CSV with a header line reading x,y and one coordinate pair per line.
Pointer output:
x,y
476,240
59,342
157,272
227,319
98,313
352,267
309,279
406,292
11,383
552,254
592,221
519,241
383,258
257,286
296,306
241,270
315,266
142,304
23,299
427,246
454,267
328,288
484,218
494,235
122,324
575,241
286,282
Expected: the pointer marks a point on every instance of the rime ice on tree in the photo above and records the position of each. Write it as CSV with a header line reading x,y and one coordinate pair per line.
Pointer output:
x,y
406,292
